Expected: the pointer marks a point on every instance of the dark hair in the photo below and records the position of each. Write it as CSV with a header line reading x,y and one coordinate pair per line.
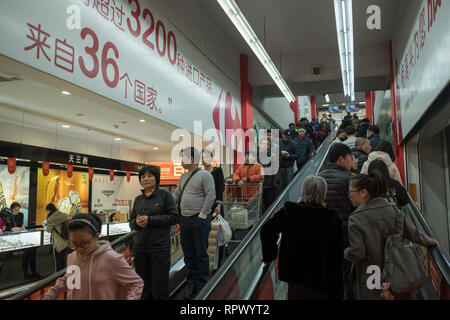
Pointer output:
x,y
269,131
382,168
193,153
365,120
346,123
374,183
291,124
386,146
374,129
303,119
153,170
355,116
51,207
339,132
350,130
15,205
80,225
338,150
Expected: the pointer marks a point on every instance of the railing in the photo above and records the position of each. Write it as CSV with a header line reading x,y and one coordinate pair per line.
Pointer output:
x,y
435,261
241,274
44,283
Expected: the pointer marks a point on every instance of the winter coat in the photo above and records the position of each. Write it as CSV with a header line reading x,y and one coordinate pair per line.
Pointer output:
x,y
270,180
374,139
337,192
368,227
251,172
350,142
162,213
361,156
304,150
381,155
311,251
54,226
290,147
362,130
105,275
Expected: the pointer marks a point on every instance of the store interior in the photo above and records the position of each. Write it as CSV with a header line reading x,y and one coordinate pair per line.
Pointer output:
x,y
49,123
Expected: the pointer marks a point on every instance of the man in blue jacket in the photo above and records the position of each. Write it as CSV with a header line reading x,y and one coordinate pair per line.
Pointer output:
x,y
288,150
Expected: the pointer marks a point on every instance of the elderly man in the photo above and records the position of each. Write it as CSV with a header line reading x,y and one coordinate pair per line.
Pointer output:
x,y
305,148
361,151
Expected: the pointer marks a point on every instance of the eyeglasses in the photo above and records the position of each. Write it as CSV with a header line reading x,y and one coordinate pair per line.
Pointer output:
x,y
82,245
351,191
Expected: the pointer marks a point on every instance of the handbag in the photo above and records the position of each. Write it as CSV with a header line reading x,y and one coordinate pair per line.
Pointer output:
x,y
183,188
223,231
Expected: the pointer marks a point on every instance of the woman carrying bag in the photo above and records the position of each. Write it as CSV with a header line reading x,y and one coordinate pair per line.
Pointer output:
x,y
55,223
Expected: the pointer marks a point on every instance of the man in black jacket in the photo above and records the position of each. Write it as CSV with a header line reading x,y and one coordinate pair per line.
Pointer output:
x,y
338,174
362,129
373,136
305,149
361,151
271,174
154,212
288,150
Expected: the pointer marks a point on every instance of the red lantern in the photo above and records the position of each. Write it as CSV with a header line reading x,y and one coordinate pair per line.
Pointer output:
x,y
11,165
91,173
45,168
69,170
111,175
128,176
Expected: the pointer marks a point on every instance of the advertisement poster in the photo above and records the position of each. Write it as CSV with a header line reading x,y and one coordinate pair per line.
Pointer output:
x,y
15,188
107,193
70,195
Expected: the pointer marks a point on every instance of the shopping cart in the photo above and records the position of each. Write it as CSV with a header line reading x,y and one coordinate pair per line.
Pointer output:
x,y
242,205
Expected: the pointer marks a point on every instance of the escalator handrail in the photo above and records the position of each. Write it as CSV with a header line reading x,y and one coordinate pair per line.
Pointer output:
x,y
438,253
218,276
53,277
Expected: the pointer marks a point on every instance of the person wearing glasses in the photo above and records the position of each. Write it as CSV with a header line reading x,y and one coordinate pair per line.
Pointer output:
x,y
94,270
368,227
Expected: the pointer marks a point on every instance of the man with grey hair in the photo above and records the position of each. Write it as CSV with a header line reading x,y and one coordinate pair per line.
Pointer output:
x,y
361,151
298,223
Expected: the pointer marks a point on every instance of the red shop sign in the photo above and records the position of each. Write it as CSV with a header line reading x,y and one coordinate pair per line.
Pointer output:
x,y
111,175
45,168
11,165
69,170
91,173
128,176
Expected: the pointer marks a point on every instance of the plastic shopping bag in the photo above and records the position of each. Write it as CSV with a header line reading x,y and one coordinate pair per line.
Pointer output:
x,y
223,232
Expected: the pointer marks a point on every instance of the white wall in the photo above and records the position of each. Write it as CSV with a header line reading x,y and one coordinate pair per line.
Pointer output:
x,y
304,112
278,109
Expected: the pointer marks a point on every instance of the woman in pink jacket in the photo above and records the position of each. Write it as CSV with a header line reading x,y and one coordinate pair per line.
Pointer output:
x,y
94,270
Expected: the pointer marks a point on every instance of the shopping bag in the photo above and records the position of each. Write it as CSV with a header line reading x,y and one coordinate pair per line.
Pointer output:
x,y
223,232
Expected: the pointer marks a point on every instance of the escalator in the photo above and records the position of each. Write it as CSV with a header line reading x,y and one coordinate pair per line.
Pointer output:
x,y
243,276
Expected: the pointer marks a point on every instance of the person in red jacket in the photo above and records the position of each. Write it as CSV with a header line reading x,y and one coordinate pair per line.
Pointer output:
x,y
249,172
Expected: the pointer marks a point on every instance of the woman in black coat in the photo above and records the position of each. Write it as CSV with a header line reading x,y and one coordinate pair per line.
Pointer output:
x,y
311,250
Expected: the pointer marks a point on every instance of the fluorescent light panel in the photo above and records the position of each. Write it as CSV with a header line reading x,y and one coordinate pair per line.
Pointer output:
x,y
234,13
344,28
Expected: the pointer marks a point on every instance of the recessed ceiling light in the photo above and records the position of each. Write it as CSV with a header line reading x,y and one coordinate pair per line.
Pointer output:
x,y
181,135
65,126
142,120
117,139
362,102
66,92
155,148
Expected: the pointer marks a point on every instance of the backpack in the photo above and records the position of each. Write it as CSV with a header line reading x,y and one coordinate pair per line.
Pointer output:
x,y
400,266
64,230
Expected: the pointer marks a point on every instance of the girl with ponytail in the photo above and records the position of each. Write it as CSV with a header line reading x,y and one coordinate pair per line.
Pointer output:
x,y
368,226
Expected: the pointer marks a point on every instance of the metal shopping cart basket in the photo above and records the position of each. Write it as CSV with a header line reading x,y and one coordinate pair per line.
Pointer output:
x,y
242,205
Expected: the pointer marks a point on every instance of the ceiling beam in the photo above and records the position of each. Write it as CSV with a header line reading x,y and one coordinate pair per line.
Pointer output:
x,y
326,86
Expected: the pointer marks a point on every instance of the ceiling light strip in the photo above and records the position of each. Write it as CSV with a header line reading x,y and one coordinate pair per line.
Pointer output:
x,y
240,22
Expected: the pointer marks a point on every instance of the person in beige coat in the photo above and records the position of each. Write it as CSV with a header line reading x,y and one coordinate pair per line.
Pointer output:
x,y
55,220
369,225
383,152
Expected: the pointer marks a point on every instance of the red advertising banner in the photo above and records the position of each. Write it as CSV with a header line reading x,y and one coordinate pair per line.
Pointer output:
x,y
111,175
45,168
69,170
11,165
434,274
126,252
91,173
128,176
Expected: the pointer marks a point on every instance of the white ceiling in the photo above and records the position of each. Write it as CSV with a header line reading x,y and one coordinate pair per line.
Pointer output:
x,y
304,31
36,99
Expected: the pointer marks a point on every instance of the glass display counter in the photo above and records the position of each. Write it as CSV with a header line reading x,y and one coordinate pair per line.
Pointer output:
x,y
10,241
118,228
